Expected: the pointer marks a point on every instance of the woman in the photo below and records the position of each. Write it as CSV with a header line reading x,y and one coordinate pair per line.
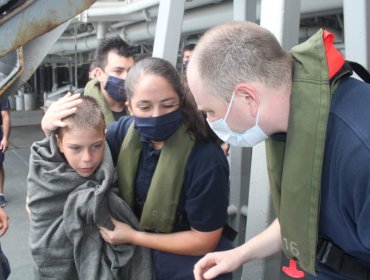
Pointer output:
x,y
176,181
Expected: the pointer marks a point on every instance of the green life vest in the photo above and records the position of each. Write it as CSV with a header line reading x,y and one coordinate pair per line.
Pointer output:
x,y
295,166
92,89
162,199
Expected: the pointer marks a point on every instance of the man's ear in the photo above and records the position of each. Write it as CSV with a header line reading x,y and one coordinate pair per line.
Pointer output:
x,y
99,73
248,94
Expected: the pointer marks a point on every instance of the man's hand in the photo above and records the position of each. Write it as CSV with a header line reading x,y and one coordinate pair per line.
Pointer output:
x,y
214,264
58,110
4,145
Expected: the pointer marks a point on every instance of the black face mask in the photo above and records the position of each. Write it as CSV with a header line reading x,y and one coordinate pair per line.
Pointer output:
x,y
159,128
116,88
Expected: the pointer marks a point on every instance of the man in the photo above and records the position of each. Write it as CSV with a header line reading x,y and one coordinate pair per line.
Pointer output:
x,y
317,120
186,55
4,144
4,263
113,59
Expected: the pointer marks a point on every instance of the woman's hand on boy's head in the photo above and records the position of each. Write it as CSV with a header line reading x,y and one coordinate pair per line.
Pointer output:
x,y
58,110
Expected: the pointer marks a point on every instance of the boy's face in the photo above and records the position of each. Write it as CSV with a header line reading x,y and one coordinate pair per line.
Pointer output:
x,y
83,149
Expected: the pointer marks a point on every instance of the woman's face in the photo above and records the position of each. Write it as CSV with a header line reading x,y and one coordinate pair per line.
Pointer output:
x,y
153,97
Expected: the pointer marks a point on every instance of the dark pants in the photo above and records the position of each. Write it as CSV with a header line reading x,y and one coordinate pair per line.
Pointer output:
x,y
4,266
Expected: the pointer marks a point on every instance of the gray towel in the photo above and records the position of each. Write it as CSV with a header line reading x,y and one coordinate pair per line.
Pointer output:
x,y
65,211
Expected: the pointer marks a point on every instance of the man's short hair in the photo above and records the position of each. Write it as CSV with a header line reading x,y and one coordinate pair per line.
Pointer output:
x,y
239,52
115,44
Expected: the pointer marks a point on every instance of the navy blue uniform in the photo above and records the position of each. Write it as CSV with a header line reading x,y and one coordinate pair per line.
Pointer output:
x,y
345,191
203,200
4,105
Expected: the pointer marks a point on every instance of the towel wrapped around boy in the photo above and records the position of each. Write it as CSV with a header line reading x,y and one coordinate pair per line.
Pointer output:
x,y
66,210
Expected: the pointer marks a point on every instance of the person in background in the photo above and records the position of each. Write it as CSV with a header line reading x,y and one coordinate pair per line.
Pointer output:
x,y
174,178
113,59
5,123
4,145
186,56
4,263
71,190
315,119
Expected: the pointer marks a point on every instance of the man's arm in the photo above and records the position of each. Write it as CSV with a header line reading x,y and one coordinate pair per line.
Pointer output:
x,y
4,144
262,245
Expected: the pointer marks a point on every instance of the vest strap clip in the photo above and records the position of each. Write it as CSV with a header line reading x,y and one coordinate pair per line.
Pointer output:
x,y
335,258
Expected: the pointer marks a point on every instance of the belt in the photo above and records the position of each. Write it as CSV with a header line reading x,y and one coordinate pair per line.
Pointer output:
x,y
335,258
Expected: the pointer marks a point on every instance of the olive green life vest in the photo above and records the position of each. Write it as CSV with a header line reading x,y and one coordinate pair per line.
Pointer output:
x,y
92,89
162,199
295,166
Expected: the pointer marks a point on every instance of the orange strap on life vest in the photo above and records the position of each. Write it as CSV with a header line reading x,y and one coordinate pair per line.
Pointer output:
x,y
334,58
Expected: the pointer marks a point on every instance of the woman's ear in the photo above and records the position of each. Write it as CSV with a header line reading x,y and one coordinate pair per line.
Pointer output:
x,y
128,105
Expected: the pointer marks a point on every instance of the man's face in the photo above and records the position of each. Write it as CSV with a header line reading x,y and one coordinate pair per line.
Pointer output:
x,y
214,106
118,66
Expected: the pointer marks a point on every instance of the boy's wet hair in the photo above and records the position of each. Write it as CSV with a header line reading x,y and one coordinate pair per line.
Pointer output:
x,y
88,115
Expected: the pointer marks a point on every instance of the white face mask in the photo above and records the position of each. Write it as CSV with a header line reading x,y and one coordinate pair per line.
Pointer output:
x,y
248,138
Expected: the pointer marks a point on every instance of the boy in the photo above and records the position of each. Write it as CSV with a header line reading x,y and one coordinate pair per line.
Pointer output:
x,y
69,191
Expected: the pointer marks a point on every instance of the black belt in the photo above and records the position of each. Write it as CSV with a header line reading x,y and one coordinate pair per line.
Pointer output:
x,y
335,258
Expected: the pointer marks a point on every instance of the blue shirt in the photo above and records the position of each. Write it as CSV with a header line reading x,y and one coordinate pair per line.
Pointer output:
x,y
4,105
345,191
203,200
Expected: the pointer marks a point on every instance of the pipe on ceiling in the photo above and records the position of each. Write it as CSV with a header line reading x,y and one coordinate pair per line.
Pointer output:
x,y
195,21
108,11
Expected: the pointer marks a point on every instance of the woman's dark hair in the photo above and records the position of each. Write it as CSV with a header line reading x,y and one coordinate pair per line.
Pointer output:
x,y
192,117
